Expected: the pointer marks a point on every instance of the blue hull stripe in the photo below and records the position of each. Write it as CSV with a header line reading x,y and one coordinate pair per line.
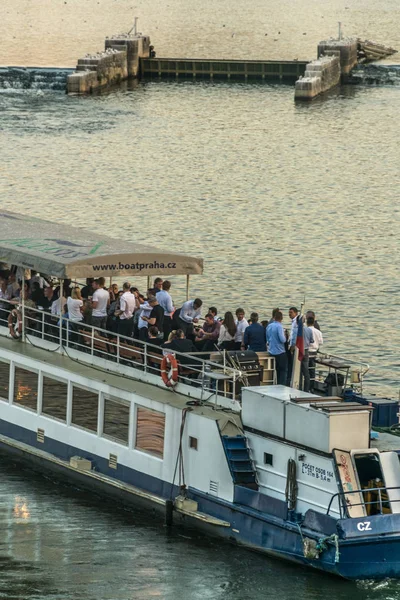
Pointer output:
x,y
65,452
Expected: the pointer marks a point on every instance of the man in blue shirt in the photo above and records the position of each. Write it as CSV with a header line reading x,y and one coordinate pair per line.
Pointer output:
x,y
276,346
254,336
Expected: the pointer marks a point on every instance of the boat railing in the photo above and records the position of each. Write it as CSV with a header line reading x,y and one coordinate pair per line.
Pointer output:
x,y
380,503
352,369
44,330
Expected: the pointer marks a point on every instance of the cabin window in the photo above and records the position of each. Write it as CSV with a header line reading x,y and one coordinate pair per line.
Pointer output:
x,y
55,396
192,442
85,406
268,459
26,388
116,420
150,428
4,380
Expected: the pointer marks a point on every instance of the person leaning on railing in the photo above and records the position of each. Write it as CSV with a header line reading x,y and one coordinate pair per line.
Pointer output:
x,y
187,315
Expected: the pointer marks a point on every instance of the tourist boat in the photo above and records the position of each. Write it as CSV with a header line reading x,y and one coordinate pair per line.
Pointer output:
x,y
288,473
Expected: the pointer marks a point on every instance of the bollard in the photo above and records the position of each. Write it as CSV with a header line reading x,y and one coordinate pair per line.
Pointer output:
x,y
169,511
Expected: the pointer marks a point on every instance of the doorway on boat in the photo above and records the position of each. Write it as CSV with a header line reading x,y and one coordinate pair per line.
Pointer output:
x,y
372,483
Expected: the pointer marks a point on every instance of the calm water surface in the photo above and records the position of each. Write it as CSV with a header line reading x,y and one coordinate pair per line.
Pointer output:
x,y
282,201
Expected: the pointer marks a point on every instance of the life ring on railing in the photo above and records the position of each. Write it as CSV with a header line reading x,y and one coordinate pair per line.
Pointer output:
x,y
169,370
15,323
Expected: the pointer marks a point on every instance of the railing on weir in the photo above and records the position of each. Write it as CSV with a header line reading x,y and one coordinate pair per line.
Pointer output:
x,y
42,329
380,504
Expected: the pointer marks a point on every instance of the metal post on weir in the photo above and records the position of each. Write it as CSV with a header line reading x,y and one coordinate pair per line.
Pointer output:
x,y
134,28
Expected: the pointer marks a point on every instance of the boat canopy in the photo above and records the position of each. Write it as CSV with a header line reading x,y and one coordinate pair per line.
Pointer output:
x,y
70,252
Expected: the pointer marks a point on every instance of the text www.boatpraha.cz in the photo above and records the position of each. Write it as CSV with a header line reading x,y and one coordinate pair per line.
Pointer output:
x,y
134,266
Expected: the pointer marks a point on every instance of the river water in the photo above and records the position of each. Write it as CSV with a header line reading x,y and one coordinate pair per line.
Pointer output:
x,y
59,543
282,201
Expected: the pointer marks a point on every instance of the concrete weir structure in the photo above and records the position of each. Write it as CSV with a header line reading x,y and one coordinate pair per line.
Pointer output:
x,y
336,58
119,61
320,76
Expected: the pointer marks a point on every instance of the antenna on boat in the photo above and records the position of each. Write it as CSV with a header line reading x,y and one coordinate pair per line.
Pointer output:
x,y
302,305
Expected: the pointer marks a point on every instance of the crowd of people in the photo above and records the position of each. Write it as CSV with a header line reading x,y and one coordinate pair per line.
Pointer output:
x,y
153,318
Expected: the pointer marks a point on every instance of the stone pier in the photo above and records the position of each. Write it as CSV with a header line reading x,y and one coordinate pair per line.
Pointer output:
x,y
119,61
336,58
136,47
320,76
345,48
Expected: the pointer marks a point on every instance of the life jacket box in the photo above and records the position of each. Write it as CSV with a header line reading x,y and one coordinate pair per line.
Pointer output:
x,y
263,408
325,426
317,425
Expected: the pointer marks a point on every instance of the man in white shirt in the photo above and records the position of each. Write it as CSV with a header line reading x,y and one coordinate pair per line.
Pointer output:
x,y
165,301
143,325
241,325
127,306
189,314
37,278
100,302
313,349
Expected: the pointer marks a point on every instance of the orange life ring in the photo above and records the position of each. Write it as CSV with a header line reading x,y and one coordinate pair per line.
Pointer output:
x,y
169,370
15,323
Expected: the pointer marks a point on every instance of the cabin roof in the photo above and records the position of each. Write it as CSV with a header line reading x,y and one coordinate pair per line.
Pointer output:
x,y
71,252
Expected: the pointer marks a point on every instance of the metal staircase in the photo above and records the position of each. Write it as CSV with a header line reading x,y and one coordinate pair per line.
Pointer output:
x,y
239,461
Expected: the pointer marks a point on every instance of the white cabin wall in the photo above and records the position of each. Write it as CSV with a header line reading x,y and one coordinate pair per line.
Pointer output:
x,y
207,463
90,442
315,474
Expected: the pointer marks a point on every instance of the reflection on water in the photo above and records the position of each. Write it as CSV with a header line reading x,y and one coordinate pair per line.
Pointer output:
x,y
74,546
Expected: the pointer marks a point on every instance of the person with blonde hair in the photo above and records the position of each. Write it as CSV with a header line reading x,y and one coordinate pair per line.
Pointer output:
x,y
75,310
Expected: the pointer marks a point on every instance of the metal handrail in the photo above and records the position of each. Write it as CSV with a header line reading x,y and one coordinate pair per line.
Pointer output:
x,y
71,336
344,501
352,361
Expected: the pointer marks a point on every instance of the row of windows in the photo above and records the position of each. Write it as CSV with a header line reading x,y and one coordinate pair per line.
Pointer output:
x,y
150,424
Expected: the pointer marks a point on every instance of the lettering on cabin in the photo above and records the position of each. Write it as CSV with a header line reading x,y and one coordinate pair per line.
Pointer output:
x,y
346,472
364,526
316,472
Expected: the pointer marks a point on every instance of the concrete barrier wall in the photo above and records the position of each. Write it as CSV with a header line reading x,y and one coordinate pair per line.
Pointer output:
x,y
136,47
347,49
118,62
320,76
97,71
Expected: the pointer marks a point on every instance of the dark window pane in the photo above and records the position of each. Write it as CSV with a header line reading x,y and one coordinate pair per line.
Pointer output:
x,y
54,398
116,420
25,388
84,408
150,426
4,380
